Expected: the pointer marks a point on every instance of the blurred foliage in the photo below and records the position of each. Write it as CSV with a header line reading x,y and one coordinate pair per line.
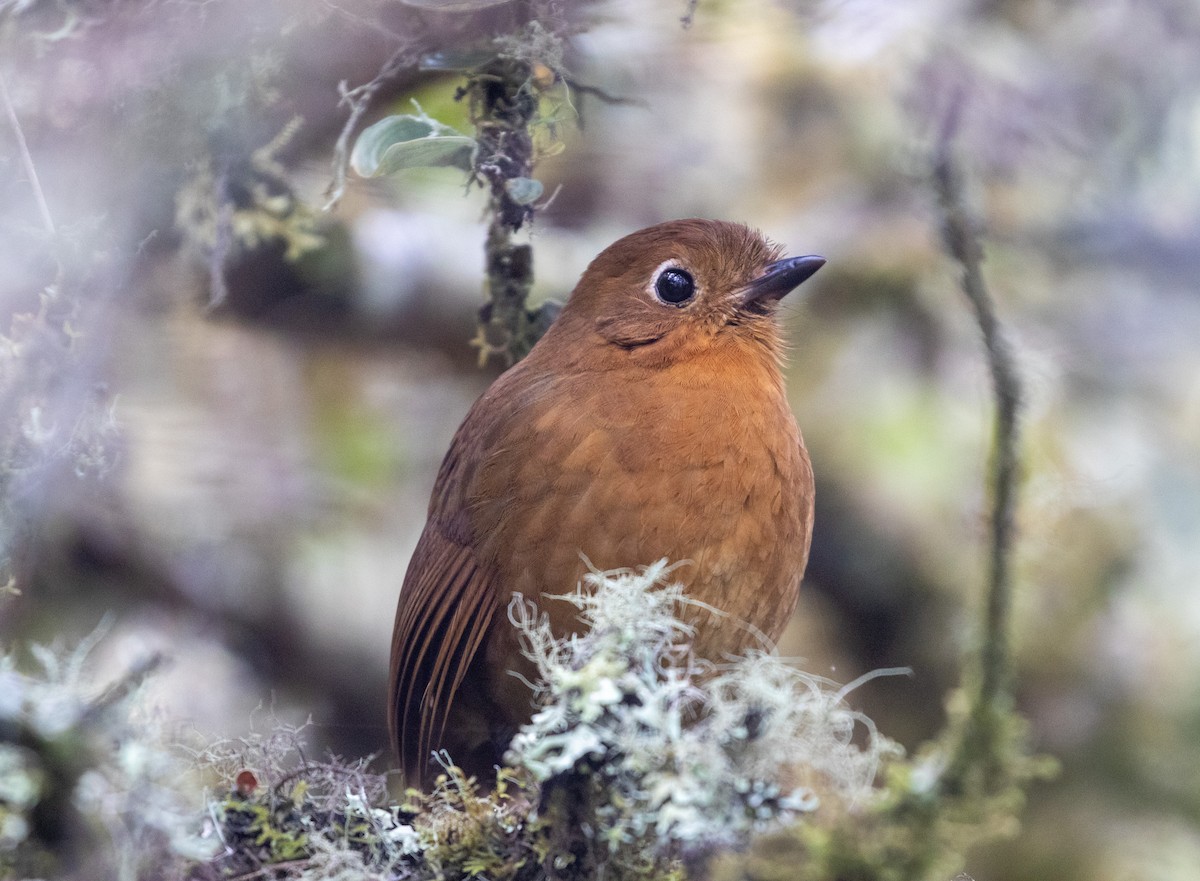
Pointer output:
x,y
89,779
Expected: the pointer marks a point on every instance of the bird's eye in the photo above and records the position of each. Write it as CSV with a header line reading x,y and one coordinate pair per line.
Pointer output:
x,y
675,286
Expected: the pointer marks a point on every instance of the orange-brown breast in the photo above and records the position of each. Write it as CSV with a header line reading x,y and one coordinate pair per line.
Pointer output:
x,y
699,462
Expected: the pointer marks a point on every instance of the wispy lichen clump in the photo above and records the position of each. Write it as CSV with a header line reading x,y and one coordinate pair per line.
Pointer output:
x,y
639,745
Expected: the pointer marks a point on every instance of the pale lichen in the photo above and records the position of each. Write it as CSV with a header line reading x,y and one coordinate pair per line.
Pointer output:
x,y
681,757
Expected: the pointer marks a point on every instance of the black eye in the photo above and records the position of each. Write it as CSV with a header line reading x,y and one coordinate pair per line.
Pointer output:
x,y
675,286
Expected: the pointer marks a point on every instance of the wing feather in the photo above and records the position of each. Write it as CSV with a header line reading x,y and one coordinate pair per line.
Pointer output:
x,y
450,594
446,606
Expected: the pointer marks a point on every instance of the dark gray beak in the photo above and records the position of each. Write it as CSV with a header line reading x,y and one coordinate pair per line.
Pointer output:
x,y
780,279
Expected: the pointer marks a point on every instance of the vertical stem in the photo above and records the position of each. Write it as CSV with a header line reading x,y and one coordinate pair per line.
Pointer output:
x,y
980,737
503,107
509,278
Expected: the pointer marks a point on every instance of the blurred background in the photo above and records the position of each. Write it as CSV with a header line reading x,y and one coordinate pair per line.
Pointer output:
x,y
222,407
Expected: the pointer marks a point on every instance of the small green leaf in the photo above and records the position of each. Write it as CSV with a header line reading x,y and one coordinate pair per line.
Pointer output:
x,y
408,141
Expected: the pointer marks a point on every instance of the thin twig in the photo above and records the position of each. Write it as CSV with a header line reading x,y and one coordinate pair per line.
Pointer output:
x,y
123,687
26,158
604,96
963,245
359,101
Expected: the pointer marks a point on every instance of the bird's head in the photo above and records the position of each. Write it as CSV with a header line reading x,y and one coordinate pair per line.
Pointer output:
x,y
672,291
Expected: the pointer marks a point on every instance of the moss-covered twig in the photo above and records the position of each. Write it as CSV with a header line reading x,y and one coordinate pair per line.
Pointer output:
x,y
503,100
991,701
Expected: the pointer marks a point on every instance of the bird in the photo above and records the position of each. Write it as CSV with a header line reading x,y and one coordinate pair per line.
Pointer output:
x,y
650,421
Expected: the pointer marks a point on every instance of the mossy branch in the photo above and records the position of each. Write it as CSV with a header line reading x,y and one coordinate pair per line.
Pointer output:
x,y
503,100
992,699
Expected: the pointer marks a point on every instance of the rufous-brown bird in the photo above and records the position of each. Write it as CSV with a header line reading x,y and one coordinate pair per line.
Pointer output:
x,y
650,421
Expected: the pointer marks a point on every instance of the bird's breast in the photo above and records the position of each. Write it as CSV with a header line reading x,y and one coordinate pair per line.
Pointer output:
x,y
618,471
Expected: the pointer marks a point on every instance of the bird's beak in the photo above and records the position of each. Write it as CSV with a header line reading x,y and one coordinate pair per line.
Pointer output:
x,y
780,279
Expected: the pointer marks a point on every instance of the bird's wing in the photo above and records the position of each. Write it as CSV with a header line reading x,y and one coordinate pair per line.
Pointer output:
x,y
449,596
451,593
446,607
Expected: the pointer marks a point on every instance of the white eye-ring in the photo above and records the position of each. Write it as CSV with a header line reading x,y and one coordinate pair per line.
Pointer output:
x,y
673,284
